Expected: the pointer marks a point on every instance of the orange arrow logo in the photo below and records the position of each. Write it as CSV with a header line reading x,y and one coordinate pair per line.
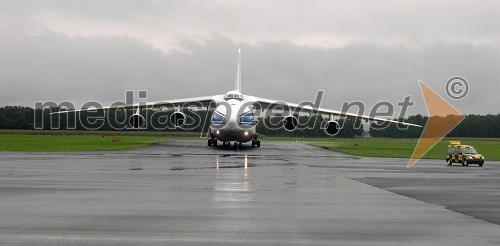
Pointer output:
x,y
443,117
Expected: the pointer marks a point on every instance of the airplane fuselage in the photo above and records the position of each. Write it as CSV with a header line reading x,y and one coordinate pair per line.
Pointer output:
x,y
233,119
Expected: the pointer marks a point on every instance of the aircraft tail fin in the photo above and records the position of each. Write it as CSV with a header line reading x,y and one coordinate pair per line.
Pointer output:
x,y
237,83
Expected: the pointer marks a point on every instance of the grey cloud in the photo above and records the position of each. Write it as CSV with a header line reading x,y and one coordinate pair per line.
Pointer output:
x,y
388,46
381,21
51,66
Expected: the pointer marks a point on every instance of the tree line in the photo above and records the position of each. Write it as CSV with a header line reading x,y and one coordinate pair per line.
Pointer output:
x,y
18,117
473,125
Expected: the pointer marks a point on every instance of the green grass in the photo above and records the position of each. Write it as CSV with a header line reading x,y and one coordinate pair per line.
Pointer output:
x,y
34,140
136,133
73,143
403,148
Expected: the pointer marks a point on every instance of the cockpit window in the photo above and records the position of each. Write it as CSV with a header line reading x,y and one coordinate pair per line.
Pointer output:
x,y
246,118
218,118
233,96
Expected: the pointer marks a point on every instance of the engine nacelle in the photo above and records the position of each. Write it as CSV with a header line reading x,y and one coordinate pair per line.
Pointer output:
x,y
290,123
332,128
178,119
136,121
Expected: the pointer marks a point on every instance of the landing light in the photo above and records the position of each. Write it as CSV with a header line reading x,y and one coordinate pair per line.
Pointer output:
x,y
246,133
217,132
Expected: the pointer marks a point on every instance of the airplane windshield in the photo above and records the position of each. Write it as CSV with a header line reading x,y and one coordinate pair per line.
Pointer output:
x,y
246,118
218,118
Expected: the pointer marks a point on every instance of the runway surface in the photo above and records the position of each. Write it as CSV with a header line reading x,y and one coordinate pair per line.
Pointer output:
x,y
185,193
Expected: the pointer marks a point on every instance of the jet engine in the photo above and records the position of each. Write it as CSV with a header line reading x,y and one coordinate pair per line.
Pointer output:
x,y
178,119
290,123
136,121
332,128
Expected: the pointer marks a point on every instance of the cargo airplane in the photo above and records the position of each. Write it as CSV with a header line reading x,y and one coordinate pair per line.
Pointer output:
x,y
233,117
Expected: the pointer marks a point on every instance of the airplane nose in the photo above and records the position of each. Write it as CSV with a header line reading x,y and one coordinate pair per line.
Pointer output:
x,y
232,124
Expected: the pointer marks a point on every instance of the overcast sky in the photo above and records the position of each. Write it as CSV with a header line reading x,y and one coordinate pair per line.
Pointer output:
x,y
354,50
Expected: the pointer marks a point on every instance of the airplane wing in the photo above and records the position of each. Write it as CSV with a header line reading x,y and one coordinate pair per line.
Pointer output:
x,y
264,103
205,101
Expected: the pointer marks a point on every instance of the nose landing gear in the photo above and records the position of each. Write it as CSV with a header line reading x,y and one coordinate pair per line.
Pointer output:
x,y
256,143
212,142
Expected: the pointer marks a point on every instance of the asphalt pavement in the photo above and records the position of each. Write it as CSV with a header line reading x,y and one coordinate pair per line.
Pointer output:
x,y
284,193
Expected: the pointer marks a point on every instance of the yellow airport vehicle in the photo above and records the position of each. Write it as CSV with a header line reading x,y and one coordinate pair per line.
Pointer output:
x,y
465,154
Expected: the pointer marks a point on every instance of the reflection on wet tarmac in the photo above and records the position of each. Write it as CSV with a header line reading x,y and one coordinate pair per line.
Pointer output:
x,y
246,166
220,163
231,187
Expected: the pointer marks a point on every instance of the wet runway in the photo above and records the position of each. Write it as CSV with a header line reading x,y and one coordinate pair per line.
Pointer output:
x,y
184,193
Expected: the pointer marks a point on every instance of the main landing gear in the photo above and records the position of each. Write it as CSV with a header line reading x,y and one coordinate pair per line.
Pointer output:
x,y
212,142
256,143
235,145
